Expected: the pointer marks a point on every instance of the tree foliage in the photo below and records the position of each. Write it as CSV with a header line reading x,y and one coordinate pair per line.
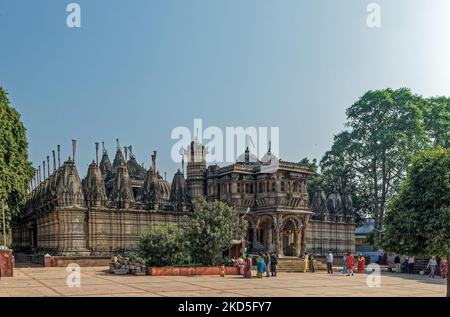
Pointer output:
x,y
418,221
15,169
163,245
200,239
385,129
209,231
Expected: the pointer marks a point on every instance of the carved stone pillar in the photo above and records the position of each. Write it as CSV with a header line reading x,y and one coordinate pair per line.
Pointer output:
x,y
303,238
297,242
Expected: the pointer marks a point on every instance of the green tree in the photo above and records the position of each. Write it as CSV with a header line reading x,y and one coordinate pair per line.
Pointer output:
x,y
314,180
437,120
163,245
15,169
418,221
209,231
386,128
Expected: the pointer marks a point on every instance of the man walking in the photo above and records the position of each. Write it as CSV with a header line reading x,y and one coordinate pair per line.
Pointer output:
x,y
329,262
411,264
432,264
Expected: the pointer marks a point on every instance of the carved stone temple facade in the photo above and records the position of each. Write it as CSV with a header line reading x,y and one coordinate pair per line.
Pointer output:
x,y
117,202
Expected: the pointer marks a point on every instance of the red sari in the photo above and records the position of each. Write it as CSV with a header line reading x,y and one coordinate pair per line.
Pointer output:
x,y
350,262
361,263
248,268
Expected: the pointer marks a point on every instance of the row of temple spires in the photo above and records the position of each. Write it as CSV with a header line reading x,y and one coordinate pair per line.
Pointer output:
x,y
106,182
42,172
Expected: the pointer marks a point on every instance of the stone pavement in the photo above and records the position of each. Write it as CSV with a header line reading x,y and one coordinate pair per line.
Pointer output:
x,y
97,282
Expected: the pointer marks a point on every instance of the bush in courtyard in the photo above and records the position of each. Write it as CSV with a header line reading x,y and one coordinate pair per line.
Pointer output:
x,y
163,245
209,231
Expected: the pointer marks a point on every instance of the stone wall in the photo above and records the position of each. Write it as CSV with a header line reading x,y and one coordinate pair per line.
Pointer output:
x,y
83,232
323,236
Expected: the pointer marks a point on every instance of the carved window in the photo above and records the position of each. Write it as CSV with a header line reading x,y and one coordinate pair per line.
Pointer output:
x,y
273,186
282,186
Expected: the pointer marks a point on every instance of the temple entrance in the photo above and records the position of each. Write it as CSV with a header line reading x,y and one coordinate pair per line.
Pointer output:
x,y
265,233
287,238
290,235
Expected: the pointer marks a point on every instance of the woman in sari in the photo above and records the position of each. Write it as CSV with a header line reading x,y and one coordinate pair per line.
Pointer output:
x,y
361,263
247,266
444,268
344,264
260,267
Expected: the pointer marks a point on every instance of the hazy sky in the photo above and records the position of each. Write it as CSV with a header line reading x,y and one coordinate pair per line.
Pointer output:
x,y
137,69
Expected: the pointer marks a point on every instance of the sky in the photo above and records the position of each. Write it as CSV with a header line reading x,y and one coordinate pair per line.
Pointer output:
x,y
137,69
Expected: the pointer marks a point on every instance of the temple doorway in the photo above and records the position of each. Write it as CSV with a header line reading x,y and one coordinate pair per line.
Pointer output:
x,y
287,238
266,233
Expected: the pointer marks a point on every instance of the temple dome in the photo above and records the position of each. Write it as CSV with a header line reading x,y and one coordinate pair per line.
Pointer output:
x,y
105,164
135,170
119,160
94,186
178,191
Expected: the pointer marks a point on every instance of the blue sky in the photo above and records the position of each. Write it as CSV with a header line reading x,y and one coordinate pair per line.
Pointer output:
x,y
137,69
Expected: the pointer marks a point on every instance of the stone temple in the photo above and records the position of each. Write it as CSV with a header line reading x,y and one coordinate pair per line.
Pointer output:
x,y
107,211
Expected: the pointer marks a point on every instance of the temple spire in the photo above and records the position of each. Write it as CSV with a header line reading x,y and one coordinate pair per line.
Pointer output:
x,y
182,163
96,152
54,160
43,165
48,165
74,149
154,161
59,155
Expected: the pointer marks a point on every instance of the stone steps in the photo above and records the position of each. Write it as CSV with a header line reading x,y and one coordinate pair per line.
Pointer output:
x,y
293,264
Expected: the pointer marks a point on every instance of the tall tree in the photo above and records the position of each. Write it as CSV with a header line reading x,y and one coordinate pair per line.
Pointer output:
x,y
385,129
437,120
418,221
15,169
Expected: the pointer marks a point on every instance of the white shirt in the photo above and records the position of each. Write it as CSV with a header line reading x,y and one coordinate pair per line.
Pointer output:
x,y
330,257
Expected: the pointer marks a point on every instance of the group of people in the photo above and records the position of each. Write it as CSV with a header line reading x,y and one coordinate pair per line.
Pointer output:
x,y
265,263
348,263
408,266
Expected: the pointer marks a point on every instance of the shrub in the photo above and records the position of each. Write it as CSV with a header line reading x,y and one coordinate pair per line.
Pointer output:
x,y
163,245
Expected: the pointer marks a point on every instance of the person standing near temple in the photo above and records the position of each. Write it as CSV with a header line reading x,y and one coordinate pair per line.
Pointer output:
x,y
260,267
444,268
350,264
329,262
273,264
267,261
397,264
361,263
432,264
247,266
411,264
312,268
344,264
305,262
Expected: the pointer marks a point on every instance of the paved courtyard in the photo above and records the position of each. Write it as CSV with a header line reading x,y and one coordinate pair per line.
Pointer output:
x,y
97,282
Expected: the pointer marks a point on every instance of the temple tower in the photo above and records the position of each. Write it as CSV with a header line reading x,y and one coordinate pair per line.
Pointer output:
x,y
196,170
